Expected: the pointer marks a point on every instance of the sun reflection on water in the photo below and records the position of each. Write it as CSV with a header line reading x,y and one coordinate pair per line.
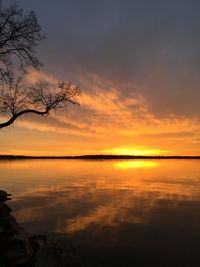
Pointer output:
x,y
74,195
135,164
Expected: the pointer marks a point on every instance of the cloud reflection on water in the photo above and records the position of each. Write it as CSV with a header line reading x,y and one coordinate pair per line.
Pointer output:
x,y
69,196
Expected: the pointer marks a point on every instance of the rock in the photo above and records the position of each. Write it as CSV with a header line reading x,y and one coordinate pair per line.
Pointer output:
x,y
4,196
15,246
15,249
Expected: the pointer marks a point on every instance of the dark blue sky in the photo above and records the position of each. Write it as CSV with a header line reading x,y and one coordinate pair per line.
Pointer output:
x,y
151,44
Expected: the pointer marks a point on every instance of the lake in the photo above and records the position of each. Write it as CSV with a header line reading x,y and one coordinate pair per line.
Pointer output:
x,y
113,212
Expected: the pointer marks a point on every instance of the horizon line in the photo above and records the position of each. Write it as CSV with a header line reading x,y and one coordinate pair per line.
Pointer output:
x,y
101,156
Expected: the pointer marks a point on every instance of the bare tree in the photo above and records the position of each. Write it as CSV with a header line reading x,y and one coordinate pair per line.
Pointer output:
x,y
19,35
17,98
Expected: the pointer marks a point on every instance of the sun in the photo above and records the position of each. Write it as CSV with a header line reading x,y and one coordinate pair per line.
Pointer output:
x,y
135,151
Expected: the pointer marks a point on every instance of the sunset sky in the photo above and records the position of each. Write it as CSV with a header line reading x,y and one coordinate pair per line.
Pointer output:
x,y
138,65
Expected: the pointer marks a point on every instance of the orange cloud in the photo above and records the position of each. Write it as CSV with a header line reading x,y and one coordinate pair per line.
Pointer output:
x,y
109,122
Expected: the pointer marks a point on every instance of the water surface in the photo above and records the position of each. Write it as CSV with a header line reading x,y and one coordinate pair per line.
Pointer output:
x,y
141,212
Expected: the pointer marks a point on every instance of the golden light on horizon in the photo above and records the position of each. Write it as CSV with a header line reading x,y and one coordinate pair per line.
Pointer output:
x,y
135,164
97,131
131,151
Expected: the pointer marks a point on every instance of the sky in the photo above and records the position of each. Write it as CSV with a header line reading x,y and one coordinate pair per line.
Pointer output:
x,y
137,63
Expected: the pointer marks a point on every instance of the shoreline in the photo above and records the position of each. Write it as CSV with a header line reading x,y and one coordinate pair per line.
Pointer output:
x,y
95,157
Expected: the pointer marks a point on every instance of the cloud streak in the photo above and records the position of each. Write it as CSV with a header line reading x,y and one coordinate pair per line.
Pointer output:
x,y
108,121
137,63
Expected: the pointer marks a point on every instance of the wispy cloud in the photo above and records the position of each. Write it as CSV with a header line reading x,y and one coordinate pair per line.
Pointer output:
x,y
112,121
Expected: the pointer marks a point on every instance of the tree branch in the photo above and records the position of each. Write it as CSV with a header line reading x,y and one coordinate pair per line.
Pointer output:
x,y
15,116
19,35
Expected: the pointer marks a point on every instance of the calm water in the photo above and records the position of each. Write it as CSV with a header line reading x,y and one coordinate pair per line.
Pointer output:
x,y
123,213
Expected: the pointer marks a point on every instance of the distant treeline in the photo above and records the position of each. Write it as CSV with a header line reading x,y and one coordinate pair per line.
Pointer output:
x,y
95,157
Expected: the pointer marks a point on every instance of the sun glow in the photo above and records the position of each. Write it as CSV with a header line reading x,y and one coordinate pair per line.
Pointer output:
x,y
135,151
135,164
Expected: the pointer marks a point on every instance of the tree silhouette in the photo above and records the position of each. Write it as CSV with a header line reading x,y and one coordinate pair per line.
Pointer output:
x,y
19,35
18,98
